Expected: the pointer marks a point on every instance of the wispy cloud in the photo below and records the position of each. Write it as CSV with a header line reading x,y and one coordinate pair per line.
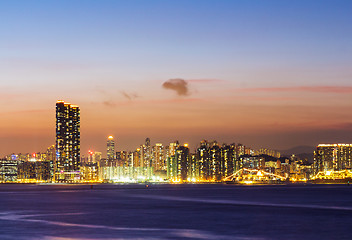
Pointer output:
x,y
179,100
205,80
260,98
109,103
129,96
317,89
346,125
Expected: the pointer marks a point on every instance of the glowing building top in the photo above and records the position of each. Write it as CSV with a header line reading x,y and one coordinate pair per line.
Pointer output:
x,y
110,148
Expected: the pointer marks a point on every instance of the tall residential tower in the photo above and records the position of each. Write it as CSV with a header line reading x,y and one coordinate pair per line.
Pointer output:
x,y
110,149
67,164
329,157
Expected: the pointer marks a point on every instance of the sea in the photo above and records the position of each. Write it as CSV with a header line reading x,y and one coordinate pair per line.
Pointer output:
x,y
175,211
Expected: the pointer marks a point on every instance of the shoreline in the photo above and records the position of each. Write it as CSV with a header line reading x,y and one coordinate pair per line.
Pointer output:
x,y
176,184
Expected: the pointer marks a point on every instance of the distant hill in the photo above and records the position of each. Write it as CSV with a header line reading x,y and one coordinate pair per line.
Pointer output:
x,y
298,150
308,156
301,151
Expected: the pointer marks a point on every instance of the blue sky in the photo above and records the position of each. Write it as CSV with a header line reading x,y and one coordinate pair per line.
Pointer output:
x,y
91,51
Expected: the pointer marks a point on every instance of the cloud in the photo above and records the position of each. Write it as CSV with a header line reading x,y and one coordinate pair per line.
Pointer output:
x,y
129,96
113,104
260,98
345,125
205,80
179,85
109,103
317,89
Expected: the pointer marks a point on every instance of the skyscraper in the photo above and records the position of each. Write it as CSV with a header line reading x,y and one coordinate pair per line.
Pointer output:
x,y
159,157
110,149
51,157
68,144
182,160
332,157
203,158
146,153
228,159
171,160
215,161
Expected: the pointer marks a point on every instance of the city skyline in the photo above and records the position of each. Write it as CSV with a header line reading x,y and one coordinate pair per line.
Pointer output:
x,y
264,74
175,119
173,163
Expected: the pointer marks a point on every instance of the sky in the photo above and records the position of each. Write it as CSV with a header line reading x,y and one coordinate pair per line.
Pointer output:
x,y
274,74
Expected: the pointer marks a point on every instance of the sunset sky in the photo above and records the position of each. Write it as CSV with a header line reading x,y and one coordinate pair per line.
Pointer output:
x,y
272,74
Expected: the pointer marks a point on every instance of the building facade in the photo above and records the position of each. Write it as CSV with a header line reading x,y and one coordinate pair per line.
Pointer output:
x,y
110,149
329,157
68,145
182,158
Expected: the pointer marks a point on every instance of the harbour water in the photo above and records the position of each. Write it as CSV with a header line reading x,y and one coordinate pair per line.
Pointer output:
x,y
190,211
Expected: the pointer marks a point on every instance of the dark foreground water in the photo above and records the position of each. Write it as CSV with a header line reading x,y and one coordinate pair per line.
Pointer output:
x,y
175,212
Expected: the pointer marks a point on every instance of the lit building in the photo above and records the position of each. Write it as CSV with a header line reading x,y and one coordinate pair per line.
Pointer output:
x,y
110,149
8,170
229,160
50,157
171,165
97,157
202,156
126,174
94,157
212,160
252,162
332,157
137,158
215,162
146,153
182,157
130,159
159,158
193,167
90,158
268,152
34,170
89,171
67,164
241,149
172,148
122,158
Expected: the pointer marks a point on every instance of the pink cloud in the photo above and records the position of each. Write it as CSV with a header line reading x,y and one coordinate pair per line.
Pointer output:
x,y
346,125
258,98
271,98
317,89
186,100
155,101
205,80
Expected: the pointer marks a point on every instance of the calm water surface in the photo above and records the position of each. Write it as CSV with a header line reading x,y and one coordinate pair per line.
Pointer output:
x,y
61,212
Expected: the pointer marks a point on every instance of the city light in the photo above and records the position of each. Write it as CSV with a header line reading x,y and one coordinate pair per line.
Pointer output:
x,y
172,163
